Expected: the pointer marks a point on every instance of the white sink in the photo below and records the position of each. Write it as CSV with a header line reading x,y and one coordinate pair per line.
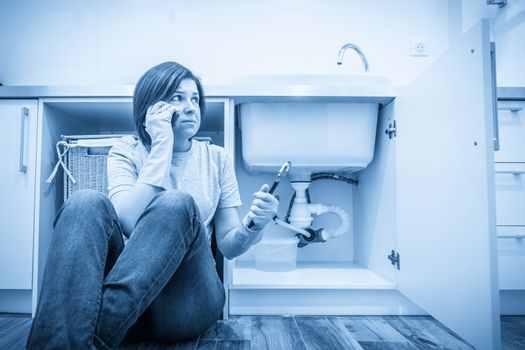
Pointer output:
x,y
333,137
331,127
349,80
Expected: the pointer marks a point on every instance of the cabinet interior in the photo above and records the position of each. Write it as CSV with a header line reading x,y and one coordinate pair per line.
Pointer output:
x,y
355,260
89,116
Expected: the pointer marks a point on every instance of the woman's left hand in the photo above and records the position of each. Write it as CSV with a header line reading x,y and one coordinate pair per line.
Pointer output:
x,y
263,209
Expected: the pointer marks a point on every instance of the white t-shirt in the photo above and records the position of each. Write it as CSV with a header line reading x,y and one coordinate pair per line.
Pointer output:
x,y
205,172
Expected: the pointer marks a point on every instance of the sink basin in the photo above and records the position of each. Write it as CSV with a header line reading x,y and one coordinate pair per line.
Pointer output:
x,y
330,128
315,137
353,80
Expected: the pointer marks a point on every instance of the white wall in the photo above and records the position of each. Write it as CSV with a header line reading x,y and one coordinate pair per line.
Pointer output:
x,y
509,34
77,42
508,31
474,10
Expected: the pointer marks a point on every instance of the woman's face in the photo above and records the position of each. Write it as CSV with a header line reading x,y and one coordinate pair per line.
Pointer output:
x,y
187,115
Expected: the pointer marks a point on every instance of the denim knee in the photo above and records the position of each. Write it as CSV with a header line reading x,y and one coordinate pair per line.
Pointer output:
x,y
175,201
87,203
87,208
175,204
176,208
217,302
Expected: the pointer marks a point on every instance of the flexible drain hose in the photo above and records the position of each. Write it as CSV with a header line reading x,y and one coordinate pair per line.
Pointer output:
x,y
319,209
315,177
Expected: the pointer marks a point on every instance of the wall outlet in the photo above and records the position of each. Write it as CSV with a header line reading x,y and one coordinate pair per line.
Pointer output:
x,y
419,48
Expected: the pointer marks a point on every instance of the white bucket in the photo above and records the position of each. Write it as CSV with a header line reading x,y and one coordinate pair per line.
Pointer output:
x,y
276,254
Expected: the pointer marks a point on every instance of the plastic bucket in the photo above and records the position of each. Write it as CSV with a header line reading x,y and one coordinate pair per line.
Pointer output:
x,y
276,254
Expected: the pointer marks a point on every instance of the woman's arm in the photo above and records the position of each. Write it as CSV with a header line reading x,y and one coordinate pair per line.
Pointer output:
x,y
129,205
232,239
155,172
233,235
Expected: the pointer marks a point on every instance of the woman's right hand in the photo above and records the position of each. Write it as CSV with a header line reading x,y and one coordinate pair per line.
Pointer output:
x,y
156,170
158,122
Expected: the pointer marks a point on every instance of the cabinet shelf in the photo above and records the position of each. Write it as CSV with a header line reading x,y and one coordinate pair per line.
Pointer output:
x,y
310,276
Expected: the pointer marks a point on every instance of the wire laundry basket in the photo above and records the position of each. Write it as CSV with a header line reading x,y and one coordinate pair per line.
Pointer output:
x,y
84,160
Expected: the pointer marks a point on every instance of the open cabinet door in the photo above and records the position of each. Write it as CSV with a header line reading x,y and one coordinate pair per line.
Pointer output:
x,y
445,197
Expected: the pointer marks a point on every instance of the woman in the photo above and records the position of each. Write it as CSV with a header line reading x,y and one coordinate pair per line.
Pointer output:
x,y
165,192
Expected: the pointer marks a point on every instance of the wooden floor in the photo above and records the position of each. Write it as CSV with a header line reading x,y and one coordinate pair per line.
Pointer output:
x,y
304,332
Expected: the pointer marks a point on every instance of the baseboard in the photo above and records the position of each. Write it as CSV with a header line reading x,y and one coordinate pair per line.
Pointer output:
x,y
15,300
320,302
512,302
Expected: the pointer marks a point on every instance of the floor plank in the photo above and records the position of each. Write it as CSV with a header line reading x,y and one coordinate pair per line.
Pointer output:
x,y
514,325
17,337
513,333
275,332
183,345
387,345
236,344
369,328
319,333
512,345
9,324
424,334
237,328
304,333
519,344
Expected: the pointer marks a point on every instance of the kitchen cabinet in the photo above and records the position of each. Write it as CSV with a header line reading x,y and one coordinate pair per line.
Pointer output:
x,y
18,164
428,195
92,115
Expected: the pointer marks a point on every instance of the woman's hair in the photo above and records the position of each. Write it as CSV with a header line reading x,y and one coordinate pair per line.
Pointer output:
x,y
159,84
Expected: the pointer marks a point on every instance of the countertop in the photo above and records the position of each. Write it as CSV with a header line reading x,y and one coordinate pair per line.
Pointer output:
x,y
239,92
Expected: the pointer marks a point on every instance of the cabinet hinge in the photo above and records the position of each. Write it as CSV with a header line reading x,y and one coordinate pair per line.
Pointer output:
x,y
391,131
394,258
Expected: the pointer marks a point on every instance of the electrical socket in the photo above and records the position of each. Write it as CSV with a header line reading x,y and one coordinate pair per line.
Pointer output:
x,y
419,48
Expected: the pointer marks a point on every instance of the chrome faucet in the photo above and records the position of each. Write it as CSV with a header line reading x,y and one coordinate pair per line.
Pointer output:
x,y
356,49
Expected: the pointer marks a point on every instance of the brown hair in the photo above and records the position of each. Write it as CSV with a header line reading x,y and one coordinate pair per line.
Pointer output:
x,y
159,84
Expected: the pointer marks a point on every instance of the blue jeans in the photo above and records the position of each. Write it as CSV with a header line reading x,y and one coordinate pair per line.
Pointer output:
x,y
161,286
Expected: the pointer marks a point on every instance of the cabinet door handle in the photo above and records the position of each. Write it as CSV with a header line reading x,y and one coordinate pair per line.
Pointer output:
x,y
494,95
517,236
515,172
509,168
25,115
510,108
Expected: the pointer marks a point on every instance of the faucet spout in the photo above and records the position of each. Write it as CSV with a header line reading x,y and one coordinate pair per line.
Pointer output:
x,y
356,49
